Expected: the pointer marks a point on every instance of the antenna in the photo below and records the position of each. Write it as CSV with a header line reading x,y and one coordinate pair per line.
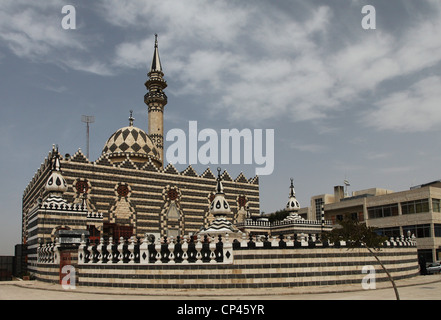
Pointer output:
x,y
87,120
346,182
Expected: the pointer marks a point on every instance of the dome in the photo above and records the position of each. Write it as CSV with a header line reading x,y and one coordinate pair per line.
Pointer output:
x,y
131,141
292,204
219,206
56,183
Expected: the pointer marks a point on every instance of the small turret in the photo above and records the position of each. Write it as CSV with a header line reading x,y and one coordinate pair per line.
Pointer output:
x,y
56,184
292,205
219,208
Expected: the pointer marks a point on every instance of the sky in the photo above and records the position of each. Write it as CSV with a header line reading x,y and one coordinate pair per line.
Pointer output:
x,y
344,101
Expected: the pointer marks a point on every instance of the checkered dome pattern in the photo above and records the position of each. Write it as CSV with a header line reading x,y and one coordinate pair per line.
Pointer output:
x,y
130,140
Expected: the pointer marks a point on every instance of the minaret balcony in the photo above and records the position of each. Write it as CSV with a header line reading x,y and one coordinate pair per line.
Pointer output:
x,y
155,96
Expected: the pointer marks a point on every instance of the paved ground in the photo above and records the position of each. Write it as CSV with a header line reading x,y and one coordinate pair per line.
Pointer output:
x,y
417,288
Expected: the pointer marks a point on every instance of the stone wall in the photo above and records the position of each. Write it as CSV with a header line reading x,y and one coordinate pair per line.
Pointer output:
x,y
249,267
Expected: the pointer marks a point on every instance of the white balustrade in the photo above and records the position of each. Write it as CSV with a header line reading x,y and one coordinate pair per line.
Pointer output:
x,y
199,251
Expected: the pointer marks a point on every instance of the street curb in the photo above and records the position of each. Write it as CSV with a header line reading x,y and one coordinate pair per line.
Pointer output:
x,y
35,284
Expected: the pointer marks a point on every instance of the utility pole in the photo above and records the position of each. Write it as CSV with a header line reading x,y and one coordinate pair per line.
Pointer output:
x,y
87,120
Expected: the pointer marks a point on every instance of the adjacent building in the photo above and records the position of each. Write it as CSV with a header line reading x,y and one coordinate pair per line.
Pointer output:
x,y
416,212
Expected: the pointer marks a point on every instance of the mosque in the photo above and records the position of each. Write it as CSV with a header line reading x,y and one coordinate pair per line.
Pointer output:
x,y
129,220
129,191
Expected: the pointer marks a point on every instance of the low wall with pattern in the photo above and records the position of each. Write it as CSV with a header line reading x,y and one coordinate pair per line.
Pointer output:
x,y
250,266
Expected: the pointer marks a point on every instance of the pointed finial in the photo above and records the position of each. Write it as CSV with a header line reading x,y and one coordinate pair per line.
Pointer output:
x,y
292,193
83,199
156,62
131,118
56,166
219,187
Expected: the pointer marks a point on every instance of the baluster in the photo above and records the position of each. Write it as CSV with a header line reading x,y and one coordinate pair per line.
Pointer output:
x,y
100,251
46,253
243,243
120,249
178,249
93,253
57,251
131,249
158,250
42,253
49,252
274,243
392,241
219,249
184,248
198,249
259,242
164,250
289,243
81,250
86,252
39,250
414,240
144,250
227,250
110,256
171,248
52,252
303,241
212,247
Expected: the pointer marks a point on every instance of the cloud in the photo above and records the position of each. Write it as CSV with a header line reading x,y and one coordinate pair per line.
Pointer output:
x,y
95,67
213,22
33,31
263,64
257,62
413,110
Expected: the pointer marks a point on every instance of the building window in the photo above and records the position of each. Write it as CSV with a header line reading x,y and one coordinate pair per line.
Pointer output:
x,y
389,232
420,231
318,209
417,206
383,211
437,230
436,205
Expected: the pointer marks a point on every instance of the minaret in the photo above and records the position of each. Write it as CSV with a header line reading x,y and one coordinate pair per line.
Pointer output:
x,y
156,99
